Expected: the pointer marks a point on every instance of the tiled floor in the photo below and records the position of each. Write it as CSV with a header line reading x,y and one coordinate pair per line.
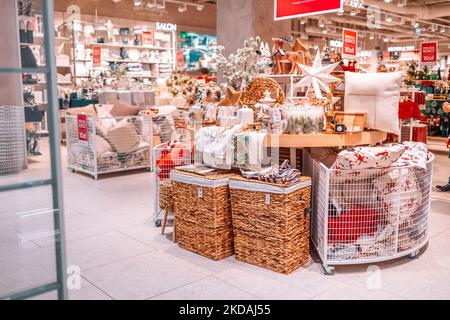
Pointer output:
x,y
111,237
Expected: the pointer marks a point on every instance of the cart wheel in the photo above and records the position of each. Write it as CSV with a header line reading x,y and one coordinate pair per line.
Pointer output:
x,y
328,270
158,223
414,255
71,169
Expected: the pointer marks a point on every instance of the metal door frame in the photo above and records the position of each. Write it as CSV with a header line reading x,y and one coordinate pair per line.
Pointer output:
x,y
55,157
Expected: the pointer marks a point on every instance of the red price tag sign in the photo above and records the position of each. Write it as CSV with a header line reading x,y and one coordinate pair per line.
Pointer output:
x,y
82,127
97,54
349,43
428,52
288,9
147,38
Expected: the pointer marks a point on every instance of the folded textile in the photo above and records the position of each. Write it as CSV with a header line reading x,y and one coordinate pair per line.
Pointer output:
x,y
282,174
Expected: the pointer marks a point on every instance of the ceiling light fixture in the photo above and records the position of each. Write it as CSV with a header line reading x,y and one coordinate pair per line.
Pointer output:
x,y
442,30
182,8
341,12
354,12
161,5
388,19
371,36
321,24
302,21
137,3
200,7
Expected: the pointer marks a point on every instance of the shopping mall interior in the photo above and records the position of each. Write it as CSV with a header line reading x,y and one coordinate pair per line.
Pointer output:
x,y
224,149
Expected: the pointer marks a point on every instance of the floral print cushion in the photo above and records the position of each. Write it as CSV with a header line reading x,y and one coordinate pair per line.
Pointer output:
x,y
416,154
369,157
399,194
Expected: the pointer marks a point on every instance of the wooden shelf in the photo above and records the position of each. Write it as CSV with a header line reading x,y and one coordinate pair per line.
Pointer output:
x,y
326,140
127,46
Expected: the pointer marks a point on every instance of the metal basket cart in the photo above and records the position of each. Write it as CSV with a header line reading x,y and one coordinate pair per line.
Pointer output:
x,y
162,169
368,216
130,148
13,154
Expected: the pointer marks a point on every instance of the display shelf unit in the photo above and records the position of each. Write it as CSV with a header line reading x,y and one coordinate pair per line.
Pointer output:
x,y
87,60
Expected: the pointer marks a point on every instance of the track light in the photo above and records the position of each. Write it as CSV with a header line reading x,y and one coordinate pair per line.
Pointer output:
x,y
182,8
161,5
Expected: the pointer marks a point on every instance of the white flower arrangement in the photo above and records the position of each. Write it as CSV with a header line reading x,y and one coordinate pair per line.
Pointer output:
x,y
242,67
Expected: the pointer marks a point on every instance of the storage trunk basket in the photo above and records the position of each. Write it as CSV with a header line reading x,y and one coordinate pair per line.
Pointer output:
x,y
271,223
202,213
165,195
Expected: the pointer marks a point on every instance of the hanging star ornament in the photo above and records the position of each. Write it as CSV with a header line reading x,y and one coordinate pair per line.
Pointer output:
x,y
317,77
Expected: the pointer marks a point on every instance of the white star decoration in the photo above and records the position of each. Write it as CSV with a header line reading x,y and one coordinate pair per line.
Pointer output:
x,y
317,76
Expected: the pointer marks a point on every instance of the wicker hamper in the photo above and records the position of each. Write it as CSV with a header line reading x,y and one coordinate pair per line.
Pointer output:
x,y
202,213
165,195
271,223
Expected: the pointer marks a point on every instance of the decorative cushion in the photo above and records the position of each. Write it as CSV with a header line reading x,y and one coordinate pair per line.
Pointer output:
x,y
123,137
416,154
377,94
90,110
101,145
369,157
122,109
399,194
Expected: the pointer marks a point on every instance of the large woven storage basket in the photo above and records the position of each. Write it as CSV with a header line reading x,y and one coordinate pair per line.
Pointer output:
x,y
203,214
271,223
165,195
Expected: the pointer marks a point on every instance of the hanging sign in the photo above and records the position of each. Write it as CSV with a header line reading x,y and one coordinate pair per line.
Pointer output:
x,y
288,9
428,52
82,127
97,54
147,38
349,43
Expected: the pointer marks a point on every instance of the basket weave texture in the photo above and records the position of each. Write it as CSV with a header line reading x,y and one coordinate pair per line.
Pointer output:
x,y
274,236
165,195
203,224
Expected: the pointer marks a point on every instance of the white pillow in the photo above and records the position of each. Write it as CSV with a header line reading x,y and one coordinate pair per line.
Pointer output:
x,y
378,94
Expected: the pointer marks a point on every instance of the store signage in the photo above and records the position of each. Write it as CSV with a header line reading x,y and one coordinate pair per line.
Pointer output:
x,y
428,52
181,65
349,43
288,9
82,127
401,48
97,54
147,38
163,26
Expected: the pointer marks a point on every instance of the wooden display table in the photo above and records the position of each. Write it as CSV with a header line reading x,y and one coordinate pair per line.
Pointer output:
x,y
326,140
298,141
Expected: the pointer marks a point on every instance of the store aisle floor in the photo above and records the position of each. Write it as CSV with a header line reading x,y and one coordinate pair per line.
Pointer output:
x,y
112,238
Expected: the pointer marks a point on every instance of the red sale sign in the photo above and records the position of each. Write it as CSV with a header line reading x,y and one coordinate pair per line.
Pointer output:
x,y
147,38
428,52
97,54
349,43
82,127
288,9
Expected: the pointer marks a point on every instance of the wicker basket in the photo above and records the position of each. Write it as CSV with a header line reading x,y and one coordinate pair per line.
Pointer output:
x,y
203,214
271,223
165,195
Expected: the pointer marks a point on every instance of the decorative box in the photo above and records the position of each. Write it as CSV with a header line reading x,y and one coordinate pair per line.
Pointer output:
x,y
202,213
271,223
